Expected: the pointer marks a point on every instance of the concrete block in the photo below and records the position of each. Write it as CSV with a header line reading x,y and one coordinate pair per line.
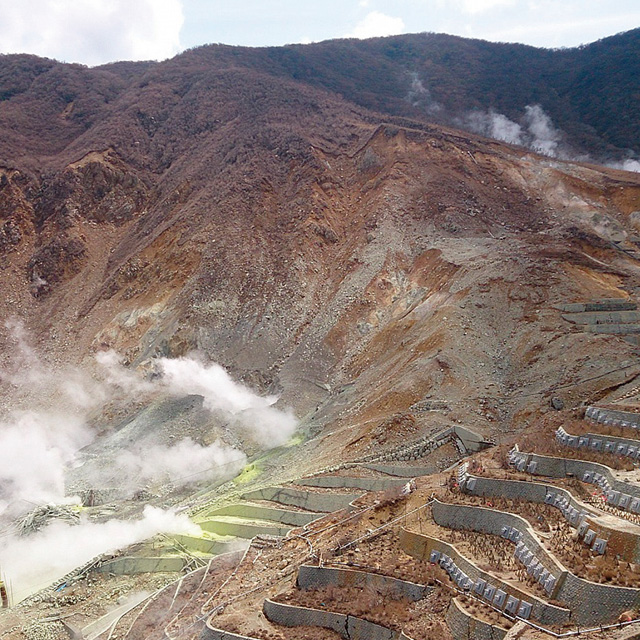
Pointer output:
x,y
499,598
479,586
599,545
489,592
524,610
512,605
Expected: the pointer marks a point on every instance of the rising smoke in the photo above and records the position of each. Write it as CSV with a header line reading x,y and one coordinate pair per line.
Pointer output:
x,y
38,446
33,562
535,130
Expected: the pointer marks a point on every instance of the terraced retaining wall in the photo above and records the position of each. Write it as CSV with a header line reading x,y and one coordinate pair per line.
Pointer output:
x,y
351,482
204,545
403,471
603,317
312,501
624,447
420,546
552,467
464,626
491,521
612,417
259,512
521,490
608,304
310,577
590,602
244,530
133,565
349,627
623,542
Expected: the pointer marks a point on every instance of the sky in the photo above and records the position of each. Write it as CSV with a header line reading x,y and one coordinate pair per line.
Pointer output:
x,y
94,32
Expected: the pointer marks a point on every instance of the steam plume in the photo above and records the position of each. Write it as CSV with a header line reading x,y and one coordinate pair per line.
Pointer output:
x,y
33,562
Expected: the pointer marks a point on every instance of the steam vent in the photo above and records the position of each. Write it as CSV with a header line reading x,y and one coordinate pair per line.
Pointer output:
x,y
297,344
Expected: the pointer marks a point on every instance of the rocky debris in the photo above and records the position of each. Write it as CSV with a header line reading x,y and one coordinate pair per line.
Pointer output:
x,y
42,516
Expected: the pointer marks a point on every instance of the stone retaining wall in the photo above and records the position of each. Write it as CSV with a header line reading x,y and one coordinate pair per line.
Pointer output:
x,y
243,530
613,418
351,482
312,501
491,521
464,626
311,577
591,603
260,512
623,541
132,565
403,471
349,627
415,450
420,547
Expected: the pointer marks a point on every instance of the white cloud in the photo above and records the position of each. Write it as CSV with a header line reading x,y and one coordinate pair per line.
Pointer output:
x,y
376,24
92,31
482,6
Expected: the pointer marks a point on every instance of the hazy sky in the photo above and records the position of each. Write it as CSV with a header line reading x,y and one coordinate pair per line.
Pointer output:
x,y
97,31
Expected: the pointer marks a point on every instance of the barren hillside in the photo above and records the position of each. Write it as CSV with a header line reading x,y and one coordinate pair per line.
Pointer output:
x,y
388,279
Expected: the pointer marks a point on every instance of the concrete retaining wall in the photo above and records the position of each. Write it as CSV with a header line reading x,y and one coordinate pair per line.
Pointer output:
x,y
420,547
624,447
312,501
259,512
552,467
603,317
613,418
243,530
520,490
491,521
132,565
608,304
349,627
402,471
203,545
464,626
590,602
470,439
292,616
623,541
310,577
366,484
614,329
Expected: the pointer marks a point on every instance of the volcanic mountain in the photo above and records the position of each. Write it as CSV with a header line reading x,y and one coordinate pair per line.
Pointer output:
x,y
291,215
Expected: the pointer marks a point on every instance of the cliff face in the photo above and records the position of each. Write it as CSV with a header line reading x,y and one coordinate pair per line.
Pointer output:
x,y
355,263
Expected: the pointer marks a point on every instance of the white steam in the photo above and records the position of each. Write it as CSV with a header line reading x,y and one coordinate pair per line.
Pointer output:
x,y
269,426
39,446
535,130
31,563
494,125
181,464
35,449
542,137
419,96
625,165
